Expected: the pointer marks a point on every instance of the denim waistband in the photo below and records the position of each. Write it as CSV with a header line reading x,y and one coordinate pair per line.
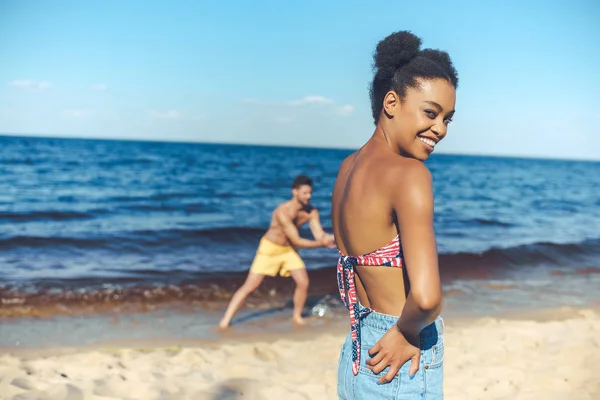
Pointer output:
x,y
384,322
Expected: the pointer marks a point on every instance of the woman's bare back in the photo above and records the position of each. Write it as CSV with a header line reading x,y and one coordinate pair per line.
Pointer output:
x,y
364,221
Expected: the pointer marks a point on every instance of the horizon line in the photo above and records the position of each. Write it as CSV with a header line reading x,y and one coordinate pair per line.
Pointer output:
x,y
150,140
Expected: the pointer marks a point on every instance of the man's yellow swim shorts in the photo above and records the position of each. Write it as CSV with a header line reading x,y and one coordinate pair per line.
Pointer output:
x,y
272,258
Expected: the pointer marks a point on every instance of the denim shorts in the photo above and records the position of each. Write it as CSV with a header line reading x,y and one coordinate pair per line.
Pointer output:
x,y
426,384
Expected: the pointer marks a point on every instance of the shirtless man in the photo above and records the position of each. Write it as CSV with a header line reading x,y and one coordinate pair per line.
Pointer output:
x,y
277,249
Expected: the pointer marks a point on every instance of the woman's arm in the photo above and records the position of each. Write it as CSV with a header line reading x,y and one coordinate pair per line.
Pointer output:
x,y
413,206
412,201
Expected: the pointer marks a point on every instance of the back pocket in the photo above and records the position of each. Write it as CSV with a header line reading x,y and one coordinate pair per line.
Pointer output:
x,y
365,383
434,370
435,356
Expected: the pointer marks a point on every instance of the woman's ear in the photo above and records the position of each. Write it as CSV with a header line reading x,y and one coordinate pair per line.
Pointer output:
x,y
391,104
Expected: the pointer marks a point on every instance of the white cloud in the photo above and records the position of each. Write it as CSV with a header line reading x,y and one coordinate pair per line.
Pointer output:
x,y
99,87
311,100
170,114
73,113
341,110
345,110
29,84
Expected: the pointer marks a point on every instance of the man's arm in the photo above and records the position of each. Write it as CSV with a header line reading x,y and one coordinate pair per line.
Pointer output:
x,y
317,230
291,231
315,225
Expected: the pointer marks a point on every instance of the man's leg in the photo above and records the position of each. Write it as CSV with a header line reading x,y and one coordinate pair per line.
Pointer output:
x,y
300,277
253,281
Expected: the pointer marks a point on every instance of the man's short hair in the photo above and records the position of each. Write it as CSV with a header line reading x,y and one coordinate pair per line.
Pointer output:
x,y
301,180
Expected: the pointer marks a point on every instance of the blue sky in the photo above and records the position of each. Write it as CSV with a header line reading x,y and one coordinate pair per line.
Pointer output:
x,y
296,73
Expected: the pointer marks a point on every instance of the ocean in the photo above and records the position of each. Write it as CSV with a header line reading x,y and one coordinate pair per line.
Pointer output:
x,y
94,221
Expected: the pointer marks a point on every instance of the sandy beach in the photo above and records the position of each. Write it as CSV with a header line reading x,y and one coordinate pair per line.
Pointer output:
x,y
549,354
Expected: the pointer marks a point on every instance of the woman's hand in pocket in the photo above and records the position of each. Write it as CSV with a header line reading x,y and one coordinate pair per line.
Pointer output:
x,y
393,350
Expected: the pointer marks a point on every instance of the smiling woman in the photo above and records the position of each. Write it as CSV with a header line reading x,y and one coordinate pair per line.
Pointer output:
x,y
403,69
382,215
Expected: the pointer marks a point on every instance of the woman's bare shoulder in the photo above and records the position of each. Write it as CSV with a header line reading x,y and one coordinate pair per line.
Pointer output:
x,y
347,163
406,171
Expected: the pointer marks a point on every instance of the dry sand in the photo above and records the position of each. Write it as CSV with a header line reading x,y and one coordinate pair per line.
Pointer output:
x,y
543,355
